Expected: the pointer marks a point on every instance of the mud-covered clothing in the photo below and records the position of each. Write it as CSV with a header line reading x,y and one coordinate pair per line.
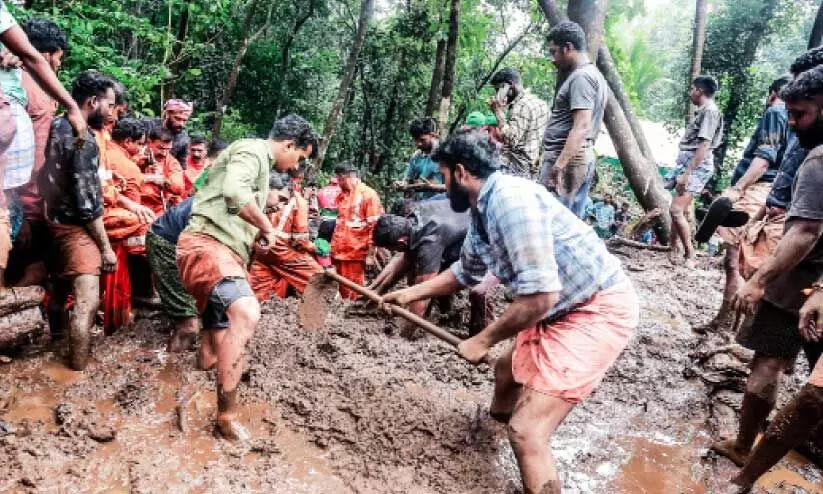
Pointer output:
x,y
781,194
41,109
771,135
707,125
522,132
76,252
807,204
70,180
162,255
773,332
533,244
239,176
421,167
437,236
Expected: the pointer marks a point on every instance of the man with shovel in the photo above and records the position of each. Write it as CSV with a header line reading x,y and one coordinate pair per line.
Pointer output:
x,y
214,251
574,308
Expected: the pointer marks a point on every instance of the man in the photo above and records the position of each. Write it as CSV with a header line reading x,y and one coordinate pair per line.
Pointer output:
x,y
214,250
197,162
695,163
574,309
70,185
568,143
521,120
161,248
351,245
163,182
775,295
328,198
216,146
604,217
176,114
421,169
751,183
289,263
427,243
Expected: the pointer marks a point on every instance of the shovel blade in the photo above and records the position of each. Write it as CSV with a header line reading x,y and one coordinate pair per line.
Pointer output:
x,y
314,306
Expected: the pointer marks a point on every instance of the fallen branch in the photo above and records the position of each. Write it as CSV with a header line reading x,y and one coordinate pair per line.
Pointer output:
x,y
420,187
20,327
618,241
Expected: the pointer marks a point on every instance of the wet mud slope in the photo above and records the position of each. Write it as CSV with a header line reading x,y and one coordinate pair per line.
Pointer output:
x,y
354,407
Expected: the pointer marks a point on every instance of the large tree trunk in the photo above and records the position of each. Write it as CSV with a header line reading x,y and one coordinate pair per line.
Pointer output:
x,y
366,10
591,15
449,68
816,37
437,77
245,42
698,43
285,56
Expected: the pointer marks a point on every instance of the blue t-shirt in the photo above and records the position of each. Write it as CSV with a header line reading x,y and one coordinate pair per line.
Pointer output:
x,y
421,167
172,223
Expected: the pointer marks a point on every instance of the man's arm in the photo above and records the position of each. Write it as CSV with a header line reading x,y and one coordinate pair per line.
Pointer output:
x,y
98,233
397,267
144,214
444,283
241,173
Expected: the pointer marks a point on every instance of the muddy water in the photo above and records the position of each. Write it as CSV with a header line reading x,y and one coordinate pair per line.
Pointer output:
x,y
352,407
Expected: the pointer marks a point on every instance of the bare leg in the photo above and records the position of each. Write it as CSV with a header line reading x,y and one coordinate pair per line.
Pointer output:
x,y
86,290
243,316
506,390
731,265
680,224
795,423
207,356
536,417
185,334
758,401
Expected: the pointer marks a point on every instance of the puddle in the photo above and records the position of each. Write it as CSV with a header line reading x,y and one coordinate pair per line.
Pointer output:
x,y
656,468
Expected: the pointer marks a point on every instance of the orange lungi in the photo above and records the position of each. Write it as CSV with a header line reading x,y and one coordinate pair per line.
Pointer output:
x,y
353,271
78,254
203,262
568,357
751,201
759,241
270,277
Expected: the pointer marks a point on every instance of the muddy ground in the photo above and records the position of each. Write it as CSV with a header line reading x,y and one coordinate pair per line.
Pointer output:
x,y
355,408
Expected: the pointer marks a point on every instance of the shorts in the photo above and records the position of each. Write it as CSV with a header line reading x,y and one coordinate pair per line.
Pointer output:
x,y
76,253
772,332
203,262
751,201
699,177
19,158
227,291
568,357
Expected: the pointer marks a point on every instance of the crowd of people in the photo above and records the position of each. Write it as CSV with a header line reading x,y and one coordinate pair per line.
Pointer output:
x,y
95,197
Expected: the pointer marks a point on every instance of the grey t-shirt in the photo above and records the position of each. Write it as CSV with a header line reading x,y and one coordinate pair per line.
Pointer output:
x,y
437,236
584,89
707,124
807,203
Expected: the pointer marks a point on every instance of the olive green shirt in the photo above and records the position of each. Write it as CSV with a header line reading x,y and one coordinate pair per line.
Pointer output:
x,y
239,176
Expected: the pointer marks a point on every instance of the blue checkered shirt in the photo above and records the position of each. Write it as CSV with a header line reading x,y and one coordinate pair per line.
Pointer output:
x,y
525,237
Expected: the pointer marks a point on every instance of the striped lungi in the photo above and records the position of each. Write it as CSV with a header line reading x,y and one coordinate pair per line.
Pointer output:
x,y
19,158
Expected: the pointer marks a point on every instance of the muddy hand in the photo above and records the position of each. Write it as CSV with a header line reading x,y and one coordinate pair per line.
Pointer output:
x,y
474,350
811,317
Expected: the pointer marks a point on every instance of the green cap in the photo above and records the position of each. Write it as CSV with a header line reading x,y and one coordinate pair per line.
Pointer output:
x,y
476,119
491,120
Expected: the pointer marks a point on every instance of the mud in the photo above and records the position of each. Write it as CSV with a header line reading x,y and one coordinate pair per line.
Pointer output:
x,y
353,407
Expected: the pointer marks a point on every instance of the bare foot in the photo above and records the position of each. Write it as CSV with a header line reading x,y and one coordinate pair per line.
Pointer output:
x,y
181,341
729,449
229,428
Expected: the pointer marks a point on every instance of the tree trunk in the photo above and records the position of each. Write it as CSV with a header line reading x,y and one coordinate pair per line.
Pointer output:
x,y
167,86
698,43
591,15
348,75
285,56
449,68
816,37
17,299
19,328
437,77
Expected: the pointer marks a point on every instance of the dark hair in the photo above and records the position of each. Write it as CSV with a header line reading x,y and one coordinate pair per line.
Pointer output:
x,y
706,84
120,95
216,146
568,32
472,148
160,133
422,126
128,128
507,75
778,83
45,36
279,181
296,128
389,229
806,61
90,83
197,139
345,167
806,86
326,229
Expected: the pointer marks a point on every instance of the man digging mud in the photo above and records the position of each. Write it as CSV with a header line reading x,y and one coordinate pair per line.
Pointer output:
x,y
574,308
774,295
213,251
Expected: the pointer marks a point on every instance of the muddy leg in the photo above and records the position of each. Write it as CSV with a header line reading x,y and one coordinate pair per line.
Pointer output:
x,y
185,334
86,289
680,224
793,424
535,418
758,401
731,265
243,315
506,390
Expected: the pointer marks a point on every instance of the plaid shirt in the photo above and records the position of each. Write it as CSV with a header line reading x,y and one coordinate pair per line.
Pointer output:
x,y
522,134
525,237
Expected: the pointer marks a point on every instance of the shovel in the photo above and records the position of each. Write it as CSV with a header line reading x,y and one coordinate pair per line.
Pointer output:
x,y
322,287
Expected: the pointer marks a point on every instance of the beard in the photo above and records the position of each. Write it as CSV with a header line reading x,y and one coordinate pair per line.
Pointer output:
x,y
458,198
811,137
96,120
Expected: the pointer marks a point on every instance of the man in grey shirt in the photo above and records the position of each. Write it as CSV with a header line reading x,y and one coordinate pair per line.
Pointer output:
x,y
568,143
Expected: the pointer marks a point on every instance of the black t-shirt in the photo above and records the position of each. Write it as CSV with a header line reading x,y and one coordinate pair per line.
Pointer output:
x,y
437,236
172,223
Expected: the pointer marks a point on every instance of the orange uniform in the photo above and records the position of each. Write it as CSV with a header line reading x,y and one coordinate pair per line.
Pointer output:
x,y
157,197
285,264
358,211
122,165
